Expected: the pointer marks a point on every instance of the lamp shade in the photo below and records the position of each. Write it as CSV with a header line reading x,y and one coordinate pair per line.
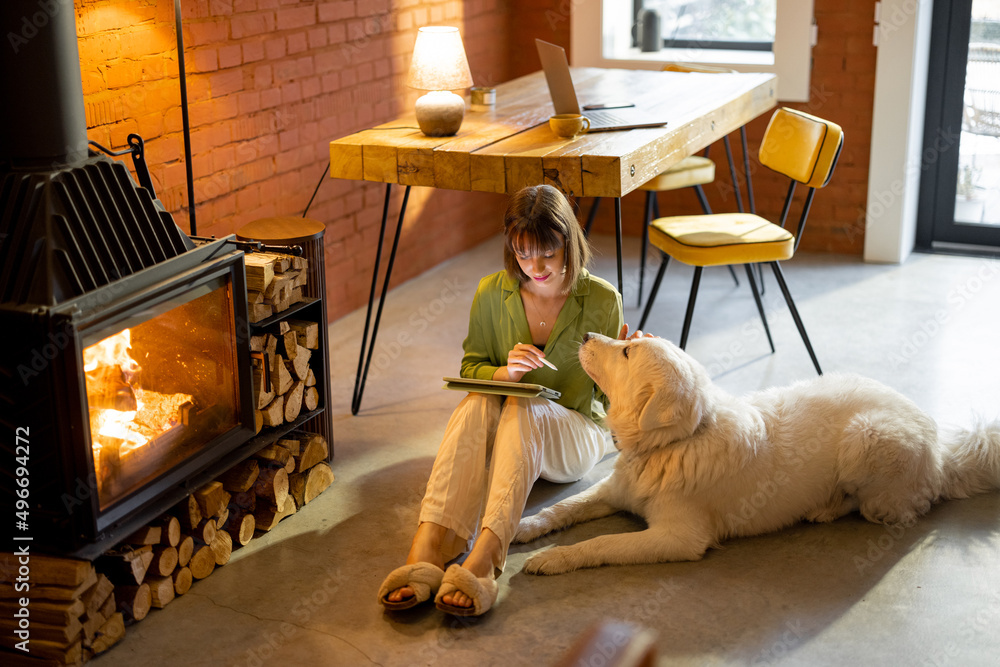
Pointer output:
x,y
439,60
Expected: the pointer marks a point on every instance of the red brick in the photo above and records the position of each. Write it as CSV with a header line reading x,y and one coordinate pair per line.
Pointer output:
x,y
220,7
311,88
250,25
291,92
263,76
270,97
249,102
290,17
201,60
201,33
275,48
223,83
253,51
318,38
230,56
297,42
335,11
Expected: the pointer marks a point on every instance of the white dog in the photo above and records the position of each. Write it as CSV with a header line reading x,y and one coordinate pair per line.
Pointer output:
x,y
700,465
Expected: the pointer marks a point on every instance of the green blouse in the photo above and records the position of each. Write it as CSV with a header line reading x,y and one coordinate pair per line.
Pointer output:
x,y
497,322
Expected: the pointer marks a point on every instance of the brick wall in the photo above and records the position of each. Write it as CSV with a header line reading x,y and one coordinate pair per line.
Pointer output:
x,y
270,82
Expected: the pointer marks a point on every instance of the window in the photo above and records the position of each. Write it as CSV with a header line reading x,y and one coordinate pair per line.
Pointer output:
x,y
739,25
745,35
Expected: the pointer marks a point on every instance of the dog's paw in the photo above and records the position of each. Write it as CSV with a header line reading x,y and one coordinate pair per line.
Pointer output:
x,y
556,560
529,529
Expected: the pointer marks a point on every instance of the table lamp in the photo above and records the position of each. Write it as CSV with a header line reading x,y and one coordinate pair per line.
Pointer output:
x,y
439,66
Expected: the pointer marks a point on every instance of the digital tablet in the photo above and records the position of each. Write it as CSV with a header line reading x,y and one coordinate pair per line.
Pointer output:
x,y
500,387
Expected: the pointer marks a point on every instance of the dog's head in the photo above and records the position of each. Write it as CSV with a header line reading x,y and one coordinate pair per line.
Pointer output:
x,y
656,390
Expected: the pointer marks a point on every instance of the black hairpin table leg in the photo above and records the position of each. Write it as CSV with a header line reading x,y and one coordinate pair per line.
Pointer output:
x,y
618,239
367,347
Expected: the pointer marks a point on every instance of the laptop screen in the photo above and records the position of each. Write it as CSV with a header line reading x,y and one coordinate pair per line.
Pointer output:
x,y
557,76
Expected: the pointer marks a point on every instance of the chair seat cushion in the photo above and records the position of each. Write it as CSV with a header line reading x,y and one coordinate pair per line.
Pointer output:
x,y
694,170
723,238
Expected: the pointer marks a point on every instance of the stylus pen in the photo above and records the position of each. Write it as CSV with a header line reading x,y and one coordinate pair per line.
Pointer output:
x,y
547,362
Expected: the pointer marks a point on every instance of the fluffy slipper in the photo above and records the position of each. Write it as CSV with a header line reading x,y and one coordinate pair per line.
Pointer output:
x,y
423,578
482,590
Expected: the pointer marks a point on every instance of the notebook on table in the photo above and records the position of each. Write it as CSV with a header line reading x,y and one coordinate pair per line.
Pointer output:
x,y
564,99
526,389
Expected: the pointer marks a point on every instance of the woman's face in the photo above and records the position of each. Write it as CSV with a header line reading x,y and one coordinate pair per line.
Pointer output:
x,y
543,267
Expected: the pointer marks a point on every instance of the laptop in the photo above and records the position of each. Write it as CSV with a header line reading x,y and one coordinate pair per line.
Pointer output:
x,y
557,75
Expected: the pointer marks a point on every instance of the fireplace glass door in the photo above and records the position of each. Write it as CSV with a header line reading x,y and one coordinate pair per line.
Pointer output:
x,y
159,387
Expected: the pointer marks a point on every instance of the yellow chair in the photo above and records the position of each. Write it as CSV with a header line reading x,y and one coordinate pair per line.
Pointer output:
x,y
692,172
803,148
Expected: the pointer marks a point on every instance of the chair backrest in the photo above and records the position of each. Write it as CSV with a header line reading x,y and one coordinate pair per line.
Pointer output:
x,y
803,147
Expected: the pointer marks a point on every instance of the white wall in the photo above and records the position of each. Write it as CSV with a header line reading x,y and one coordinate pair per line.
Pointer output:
x,y
897,129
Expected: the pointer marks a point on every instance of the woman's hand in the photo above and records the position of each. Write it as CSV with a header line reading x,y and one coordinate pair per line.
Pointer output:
x,y
623,334
520,360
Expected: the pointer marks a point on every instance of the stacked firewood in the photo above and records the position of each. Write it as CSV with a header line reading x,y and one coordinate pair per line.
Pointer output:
x,y
70,613
274,282
281,478
77,609
154,564
284,383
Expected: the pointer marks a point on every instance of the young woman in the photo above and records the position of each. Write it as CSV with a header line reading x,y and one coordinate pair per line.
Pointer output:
x,y
495,447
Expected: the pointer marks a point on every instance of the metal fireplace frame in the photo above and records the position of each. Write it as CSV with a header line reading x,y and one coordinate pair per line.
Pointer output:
x,y
63,483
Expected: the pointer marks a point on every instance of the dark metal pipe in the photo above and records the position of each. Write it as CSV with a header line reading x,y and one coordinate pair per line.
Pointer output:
x,y
42,120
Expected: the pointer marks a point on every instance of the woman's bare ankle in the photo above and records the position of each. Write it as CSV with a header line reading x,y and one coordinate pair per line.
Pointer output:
x,y
426,545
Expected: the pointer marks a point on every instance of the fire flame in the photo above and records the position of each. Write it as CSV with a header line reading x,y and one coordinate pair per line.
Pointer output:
x,y
106,358
124,416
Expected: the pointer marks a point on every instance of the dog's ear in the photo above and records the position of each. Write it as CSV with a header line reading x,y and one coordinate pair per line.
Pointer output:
x,y
654,411
662,409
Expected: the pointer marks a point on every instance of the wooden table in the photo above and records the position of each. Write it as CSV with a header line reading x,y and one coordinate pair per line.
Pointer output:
x,y
511,146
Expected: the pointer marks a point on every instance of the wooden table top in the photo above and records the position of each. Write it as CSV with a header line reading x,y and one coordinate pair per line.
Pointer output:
x,y
511,146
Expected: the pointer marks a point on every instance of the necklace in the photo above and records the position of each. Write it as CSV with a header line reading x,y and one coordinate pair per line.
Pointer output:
x,y
542,317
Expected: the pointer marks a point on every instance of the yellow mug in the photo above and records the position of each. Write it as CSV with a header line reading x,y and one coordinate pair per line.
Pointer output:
x,y
569,124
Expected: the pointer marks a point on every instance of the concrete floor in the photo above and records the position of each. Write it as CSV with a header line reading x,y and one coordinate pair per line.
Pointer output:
x,y
850,592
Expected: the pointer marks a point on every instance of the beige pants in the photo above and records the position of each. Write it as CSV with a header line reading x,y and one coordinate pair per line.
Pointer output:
x,y
493,450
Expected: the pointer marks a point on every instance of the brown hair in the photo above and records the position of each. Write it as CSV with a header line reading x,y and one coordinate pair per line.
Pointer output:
x,y
539,219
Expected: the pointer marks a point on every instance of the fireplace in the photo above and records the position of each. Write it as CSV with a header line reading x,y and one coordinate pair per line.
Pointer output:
x,y
132,395
125,364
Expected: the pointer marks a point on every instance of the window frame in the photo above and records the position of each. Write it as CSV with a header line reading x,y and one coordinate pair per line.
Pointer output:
x,y
791,59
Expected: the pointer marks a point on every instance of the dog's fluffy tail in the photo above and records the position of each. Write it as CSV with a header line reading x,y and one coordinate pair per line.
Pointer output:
x,y
971,463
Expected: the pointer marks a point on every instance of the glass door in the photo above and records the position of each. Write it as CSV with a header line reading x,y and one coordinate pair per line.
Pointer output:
x,y
960,189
